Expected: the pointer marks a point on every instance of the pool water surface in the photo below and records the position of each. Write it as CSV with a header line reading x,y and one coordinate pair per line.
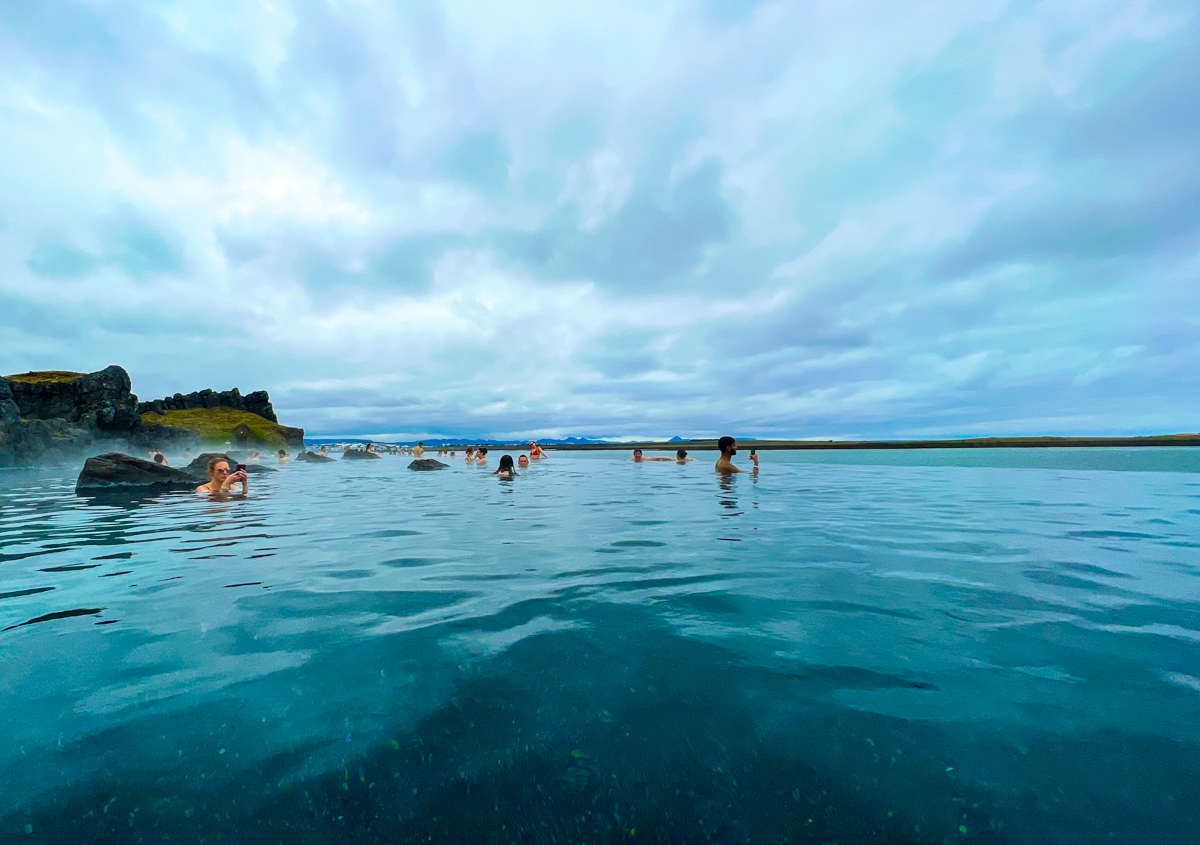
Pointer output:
x,y
995,646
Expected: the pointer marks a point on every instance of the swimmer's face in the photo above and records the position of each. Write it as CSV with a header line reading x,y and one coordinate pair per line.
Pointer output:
x,y
637,454
523,461
221,471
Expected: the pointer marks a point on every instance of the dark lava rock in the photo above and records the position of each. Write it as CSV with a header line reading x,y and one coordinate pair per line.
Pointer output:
x,y
292,436
242,434
199,465
314,457
27,441
99,401
358,454
257,402
117,470
427,464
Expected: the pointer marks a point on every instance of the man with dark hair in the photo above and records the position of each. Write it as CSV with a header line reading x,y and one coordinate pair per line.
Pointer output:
x,y
728,447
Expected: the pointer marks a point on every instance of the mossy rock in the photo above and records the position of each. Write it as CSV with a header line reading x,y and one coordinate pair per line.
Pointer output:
x,y
47,377
216,425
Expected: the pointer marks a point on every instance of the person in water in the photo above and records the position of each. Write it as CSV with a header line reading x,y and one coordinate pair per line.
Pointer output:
x,y
470,453
283,456
220,479
536,451
420,450
637,457
481,456
505,469
523,462
681,457
728,447
324,451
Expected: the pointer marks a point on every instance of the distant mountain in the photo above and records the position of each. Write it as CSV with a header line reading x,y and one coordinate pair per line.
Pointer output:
x,y
677,439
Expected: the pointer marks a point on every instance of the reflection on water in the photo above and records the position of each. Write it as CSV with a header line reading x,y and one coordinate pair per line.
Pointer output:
x,y
603,651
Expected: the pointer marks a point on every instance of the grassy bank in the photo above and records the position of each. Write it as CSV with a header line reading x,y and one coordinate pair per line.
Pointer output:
x,y
217,424
47,377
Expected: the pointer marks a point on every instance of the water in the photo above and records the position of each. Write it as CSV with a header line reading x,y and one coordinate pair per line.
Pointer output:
x,y
852,647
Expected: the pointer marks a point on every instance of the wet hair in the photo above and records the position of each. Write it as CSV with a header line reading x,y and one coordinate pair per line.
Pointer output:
x,y
212,465
680,454
725,444
483,450
637,451
470,450
506,463
159,459
283,453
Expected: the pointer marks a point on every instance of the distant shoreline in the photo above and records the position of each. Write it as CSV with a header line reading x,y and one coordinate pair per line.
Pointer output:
x,y
806,445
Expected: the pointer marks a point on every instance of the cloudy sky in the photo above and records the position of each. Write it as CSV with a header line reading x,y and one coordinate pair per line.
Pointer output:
x,y
806,219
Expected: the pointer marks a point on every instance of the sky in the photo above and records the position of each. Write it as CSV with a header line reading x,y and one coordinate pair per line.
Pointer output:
x,y
643,219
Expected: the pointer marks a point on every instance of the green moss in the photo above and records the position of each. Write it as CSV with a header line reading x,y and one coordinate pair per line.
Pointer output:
x,y
217,424
47,376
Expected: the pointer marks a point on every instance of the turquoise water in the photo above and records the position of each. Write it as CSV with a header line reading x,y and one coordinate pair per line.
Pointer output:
x,y
851,647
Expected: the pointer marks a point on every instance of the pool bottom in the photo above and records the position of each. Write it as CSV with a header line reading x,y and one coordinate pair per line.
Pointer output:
x,y
615,729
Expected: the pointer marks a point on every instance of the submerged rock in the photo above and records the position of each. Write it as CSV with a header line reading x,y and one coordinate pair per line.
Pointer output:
x,y
358,454
314,457
427,464
117,470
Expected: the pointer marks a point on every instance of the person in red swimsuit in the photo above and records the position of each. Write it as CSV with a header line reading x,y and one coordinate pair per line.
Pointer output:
x,y
536,451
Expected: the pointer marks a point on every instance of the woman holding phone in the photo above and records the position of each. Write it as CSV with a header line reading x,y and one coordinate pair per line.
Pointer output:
x,y
220,479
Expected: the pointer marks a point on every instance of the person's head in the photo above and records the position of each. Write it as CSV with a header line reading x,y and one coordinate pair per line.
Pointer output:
x,y
506,463
421,443
637,454
523,461
483,451
158,458
324,449
470,450
681,454
218,469
727,445
283,453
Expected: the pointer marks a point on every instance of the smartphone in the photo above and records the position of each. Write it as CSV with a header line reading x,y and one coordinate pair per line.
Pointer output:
x,y
241,468
753,452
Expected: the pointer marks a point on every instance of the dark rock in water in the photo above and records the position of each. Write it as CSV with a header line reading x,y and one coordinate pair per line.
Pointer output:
x,y
242,434
314,457
199,465
357,454
427,464
117,470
